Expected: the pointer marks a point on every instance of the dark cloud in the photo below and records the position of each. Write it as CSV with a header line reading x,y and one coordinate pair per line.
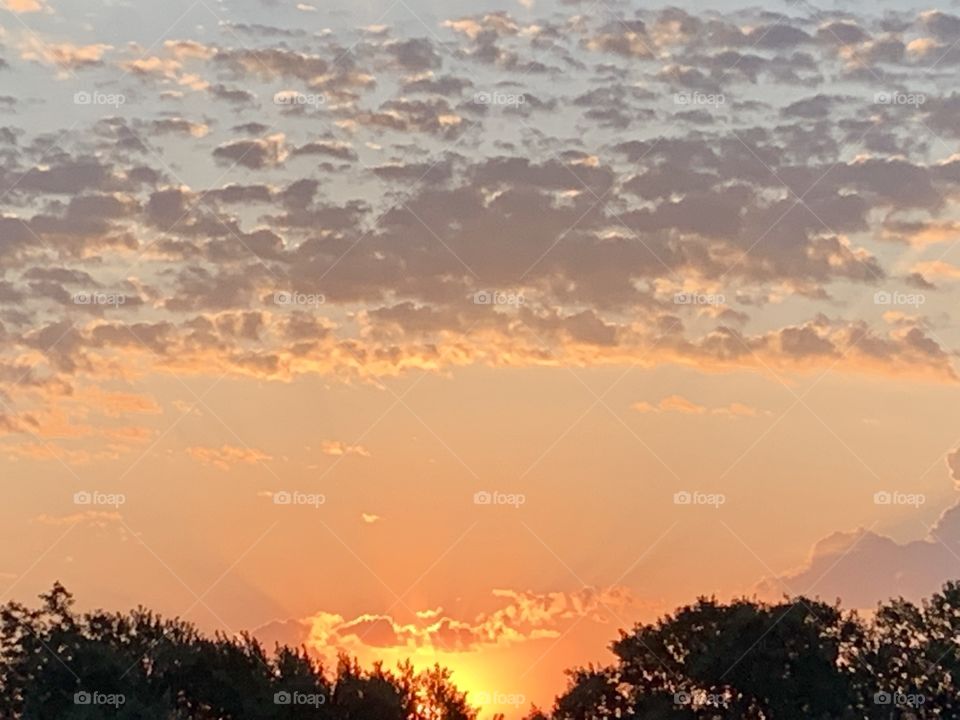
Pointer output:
x,y
407,187
254,154
415,54
327,148
270,63
235,95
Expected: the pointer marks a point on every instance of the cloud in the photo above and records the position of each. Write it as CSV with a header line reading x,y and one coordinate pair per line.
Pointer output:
x,y
953,463
179,126
49,451
863,567
227,456
153,65
272,63
628,39
521,617
66,56
415,54
26,6
680,404
339,150
798,212
337,448
937,269
233,95
369,518
117,404
71,425
673,403
90,518
434,116
922,234
254,154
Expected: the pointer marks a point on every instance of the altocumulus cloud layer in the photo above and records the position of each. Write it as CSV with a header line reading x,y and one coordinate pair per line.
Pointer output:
x,y
561,184
520,617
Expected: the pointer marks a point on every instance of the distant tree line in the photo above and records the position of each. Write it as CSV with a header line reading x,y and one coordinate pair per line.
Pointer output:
x,y
799,659
57,665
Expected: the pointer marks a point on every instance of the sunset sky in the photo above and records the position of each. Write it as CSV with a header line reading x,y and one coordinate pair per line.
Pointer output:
x,y
473,332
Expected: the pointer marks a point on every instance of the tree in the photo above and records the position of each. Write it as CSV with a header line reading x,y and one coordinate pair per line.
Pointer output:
x,y
799,659
57,665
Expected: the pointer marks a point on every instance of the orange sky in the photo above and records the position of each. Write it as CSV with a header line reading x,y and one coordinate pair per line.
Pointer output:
x,y
475,333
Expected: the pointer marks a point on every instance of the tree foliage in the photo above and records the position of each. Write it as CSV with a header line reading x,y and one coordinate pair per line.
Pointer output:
x,y
799,659
58,665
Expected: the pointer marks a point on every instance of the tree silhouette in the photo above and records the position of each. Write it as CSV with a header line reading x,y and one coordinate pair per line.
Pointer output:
x,y
57,665
798,659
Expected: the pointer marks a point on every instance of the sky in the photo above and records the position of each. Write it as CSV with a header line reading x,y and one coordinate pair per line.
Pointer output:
x,y
476,332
